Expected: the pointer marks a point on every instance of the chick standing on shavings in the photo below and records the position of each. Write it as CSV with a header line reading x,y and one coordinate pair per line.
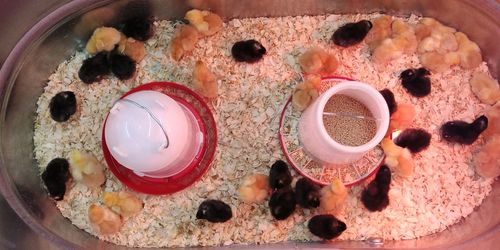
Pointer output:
x,y
249,51
415,140
318,61
55,178
390,100
103,220
103,39
469,52
375,196
306,92
86,169
416,81
204,81
463,132
123,203
307,193
132,48
122,66
282,203
279,175
206,22
397,158
326,226
254,189
333,197
62,106
486,161
140,28
485,88
402,118
214,211
93,69
493,114
402,41
184,41
381,29
351,33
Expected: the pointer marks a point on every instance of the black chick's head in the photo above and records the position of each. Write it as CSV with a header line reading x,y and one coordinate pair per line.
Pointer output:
x,y
390,100
94,68
62,106
249,51
122,66
307,193
140,28
282,203
279,175
416,81
352,33
326,226
55,176
214,211
462,132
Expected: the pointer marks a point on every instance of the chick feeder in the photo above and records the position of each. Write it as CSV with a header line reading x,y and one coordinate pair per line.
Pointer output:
x,y
159,138
314,154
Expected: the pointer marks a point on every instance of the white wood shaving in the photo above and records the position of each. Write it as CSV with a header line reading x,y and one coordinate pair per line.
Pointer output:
x,y
443,190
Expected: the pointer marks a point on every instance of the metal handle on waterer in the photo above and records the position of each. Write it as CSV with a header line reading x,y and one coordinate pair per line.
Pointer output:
x,y
167,141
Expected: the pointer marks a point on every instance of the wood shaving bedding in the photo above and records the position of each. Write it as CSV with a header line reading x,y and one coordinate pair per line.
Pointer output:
x,y
443,190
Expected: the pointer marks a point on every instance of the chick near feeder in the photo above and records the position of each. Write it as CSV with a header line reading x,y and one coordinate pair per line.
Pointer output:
x,y
333,197
282,203
184,41
318,61
204,81
103,39
413,139
254,189
486,161
123,203
132,48
206,22
279,175
390,100
103,220
86,169
485,88
307,193
306,92
402,118
326,226
375,196
397,158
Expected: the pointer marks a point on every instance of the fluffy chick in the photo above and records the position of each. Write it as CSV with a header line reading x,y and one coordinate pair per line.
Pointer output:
x,y
463,132
103,39
55,178
435,61
486,161
214,211
404,36
279,175
493,115
307,193
375,196
386,52
254,189
132,48
206,22
470,53
351,33
416,81
123,203
86,169
415,140
403,117
485,88
390,100
326,226
397,158
103,220
381,30
183,42
318,61
204,81
333,197
282,203
306,92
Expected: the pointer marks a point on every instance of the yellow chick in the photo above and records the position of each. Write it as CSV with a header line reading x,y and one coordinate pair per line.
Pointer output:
x,y
397,158
184,41
254,189
470,53
103,39
86,169
103,220
206,22
123,203
485,88
387,51
333,197
132,48
487,162
493,115
404,36
380,30
434,61
204,81
306,92
318,61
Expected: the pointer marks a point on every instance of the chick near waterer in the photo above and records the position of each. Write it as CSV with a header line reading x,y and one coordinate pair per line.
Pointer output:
x,y
254,189
184,41
103,39
123,203
397,158
103,220
333,197
204,81
86,169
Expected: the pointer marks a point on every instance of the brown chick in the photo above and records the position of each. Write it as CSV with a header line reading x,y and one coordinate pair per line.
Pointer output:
x,y
132,48
103,39
434,61
123,203
485,88
493,115
381,30
398,159
204,81
306,92
333,197
254,189
183,42
318,61
86,169
103,220
206,22
403,117
470,54
487,162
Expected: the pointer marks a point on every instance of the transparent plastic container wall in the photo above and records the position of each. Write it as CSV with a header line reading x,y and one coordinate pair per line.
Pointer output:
x,y
38,35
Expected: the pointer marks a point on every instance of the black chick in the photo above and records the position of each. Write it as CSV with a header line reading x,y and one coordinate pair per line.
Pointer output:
x,y
307,193
375,196
416,81
94,68
351,33
122,66
326,226
55,176
214,211
62,106
279,175
249,51
463,132
415,140
282,203
390,100
140,28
